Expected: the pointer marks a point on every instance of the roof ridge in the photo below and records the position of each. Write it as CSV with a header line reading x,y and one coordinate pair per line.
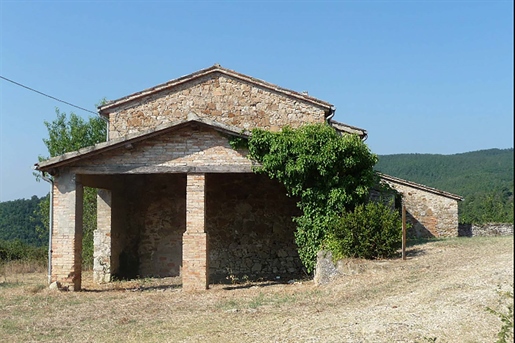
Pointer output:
x,y
213,69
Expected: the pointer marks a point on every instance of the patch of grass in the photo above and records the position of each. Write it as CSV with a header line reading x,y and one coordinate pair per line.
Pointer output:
x,y
9,326
284,298
505,313
257,301
470,241
37,288
420,241
228,305
18,270
10,284
262,299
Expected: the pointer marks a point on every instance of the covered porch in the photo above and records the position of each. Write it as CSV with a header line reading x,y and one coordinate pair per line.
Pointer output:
x,y
177,201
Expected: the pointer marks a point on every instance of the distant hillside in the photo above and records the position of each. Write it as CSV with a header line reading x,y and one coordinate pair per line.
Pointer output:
x,y
18,221
484,178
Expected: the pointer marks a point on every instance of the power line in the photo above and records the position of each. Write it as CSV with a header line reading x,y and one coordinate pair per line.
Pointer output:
x,y
48,96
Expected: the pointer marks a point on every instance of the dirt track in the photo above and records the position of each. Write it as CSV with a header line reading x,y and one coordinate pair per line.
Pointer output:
x,y
439,294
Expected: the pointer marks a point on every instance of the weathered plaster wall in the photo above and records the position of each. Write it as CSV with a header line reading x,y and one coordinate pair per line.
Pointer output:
x,y
219,98
431,215
250,228
184,148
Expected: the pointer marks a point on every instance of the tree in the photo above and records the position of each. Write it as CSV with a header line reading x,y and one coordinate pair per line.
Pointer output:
x,y
67,134
330,173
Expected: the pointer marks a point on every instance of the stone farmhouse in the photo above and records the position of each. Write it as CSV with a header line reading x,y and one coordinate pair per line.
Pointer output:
x,y
175,199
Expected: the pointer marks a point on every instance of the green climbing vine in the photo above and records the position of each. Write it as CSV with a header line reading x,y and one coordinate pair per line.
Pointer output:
x,y
329,172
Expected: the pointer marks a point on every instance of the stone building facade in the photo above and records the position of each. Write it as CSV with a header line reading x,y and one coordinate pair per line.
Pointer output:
x,y
431,212
224,96
173,197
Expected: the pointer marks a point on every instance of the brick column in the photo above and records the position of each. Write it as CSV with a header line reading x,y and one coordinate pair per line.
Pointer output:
x,y
67,231
195,269
102,238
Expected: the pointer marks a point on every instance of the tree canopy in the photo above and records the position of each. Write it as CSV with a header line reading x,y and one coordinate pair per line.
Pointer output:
x,y
71,133
17,221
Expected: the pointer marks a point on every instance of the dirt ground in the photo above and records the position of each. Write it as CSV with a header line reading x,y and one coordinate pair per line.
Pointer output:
x,y
439,294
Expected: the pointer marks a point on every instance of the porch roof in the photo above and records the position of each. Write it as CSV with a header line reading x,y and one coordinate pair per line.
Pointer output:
x,y
344,128
70,157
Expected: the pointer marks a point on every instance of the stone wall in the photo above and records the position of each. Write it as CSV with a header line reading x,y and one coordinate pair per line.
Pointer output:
x,y
249,221
430,214
102,243
218,97
151,241
490,229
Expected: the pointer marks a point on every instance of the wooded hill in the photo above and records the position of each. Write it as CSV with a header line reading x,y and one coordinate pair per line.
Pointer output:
x,y
18,221
483,178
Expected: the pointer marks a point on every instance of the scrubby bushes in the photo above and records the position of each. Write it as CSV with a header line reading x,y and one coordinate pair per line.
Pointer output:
x,y
371,231
17,250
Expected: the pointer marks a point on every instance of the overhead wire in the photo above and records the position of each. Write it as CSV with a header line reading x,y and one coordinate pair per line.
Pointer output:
x,y
48,96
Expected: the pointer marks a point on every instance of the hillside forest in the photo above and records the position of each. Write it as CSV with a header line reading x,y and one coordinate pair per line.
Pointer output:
x,y
483,178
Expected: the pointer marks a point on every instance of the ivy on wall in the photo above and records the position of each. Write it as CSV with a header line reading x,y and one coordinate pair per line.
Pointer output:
x,y
329,172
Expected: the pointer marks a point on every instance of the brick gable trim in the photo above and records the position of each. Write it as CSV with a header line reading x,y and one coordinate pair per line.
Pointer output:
x,y
126,141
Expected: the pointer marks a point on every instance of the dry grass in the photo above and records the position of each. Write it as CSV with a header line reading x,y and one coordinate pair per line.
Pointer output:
x,y
439,294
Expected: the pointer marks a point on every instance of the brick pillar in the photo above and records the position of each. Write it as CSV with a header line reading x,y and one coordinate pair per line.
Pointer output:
x,y
102,238
67,231
195,269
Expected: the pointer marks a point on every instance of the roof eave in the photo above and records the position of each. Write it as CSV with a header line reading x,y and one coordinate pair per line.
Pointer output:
x,y
420,186
341,127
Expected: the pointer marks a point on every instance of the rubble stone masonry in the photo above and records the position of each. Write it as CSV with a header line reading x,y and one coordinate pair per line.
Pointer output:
x,y
220,98
251,232
102,238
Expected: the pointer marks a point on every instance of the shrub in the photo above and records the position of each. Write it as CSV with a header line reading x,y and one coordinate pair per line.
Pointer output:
x,y
505,314
370,231
329,173
17,250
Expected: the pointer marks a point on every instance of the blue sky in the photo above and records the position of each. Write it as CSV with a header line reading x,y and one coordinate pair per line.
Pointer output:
x,y
420,76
